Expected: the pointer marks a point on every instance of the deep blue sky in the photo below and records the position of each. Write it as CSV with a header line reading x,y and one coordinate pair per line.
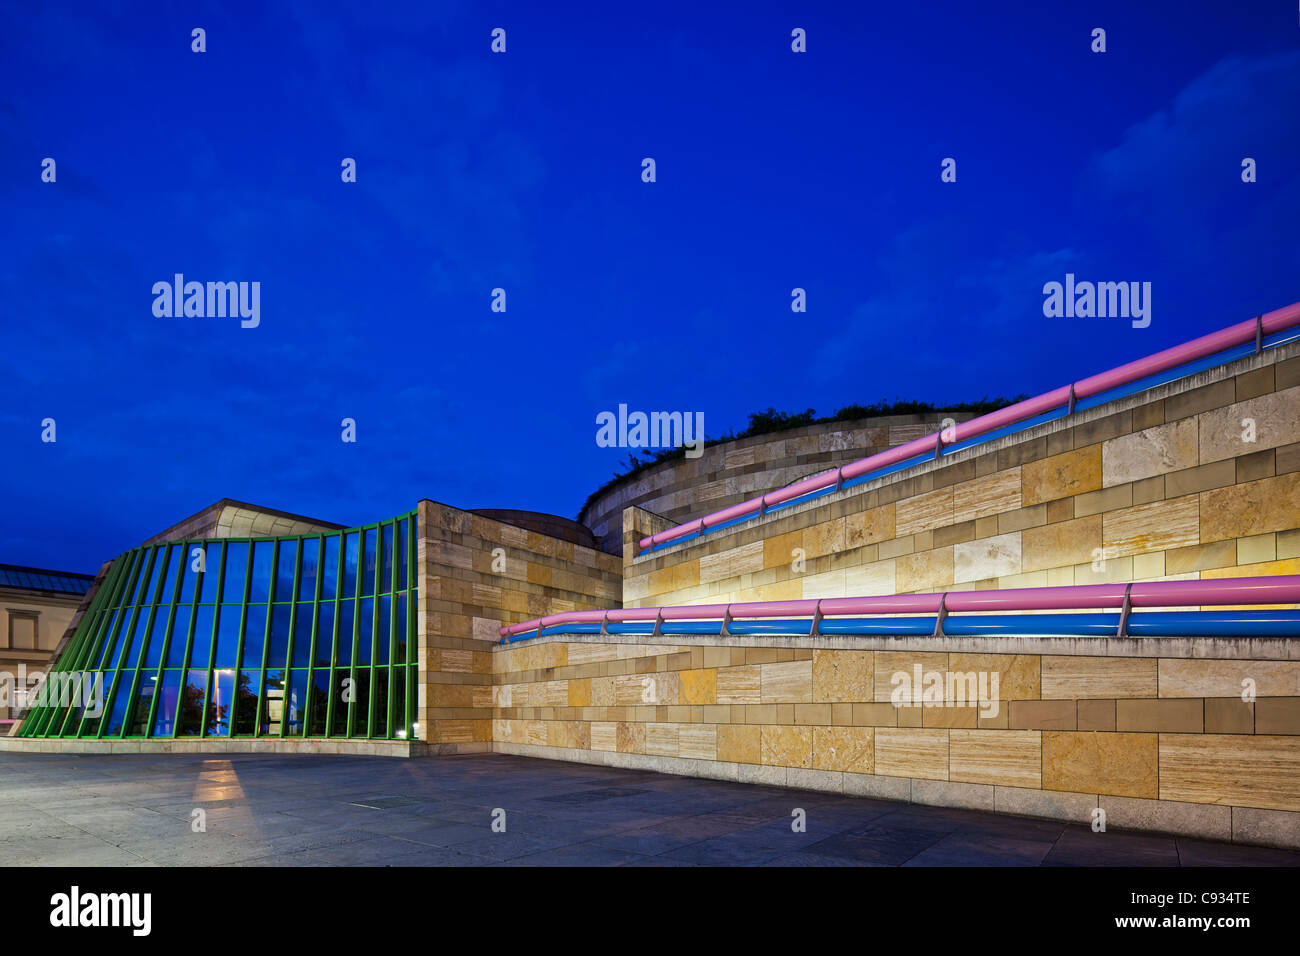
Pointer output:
x,y
522,170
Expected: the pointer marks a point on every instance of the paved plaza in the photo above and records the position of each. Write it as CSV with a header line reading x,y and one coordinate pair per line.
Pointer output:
x,y
307,810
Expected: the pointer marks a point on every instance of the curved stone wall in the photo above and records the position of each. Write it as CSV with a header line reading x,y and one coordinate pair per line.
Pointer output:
x,y
734,471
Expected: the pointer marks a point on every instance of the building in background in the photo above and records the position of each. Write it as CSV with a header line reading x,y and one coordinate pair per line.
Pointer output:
x,y
36,607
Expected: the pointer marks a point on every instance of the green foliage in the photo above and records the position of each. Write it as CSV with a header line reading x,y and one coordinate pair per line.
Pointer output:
x,y
769,421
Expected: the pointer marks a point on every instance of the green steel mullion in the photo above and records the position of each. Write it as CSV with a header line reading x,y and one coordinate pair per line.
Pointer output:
x,y
293,624
173,602
186,559
333,658
85,649
210,680
356,632
314,639
113,666
84,652
375,603
113,632
130,674
271,588
389,728
239,645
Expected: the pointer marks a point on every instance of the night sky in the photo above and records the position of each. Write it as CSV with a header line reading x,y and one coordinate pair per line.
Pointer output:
x,y
522,171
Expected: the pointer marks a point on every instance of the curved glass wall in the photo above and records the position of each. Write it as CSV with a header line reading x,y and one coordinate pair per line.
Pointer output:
x,y
305,636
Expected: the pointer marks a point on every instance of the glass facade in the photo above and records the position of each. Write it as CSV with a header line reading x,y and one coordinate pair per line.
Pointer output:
x,y
304,636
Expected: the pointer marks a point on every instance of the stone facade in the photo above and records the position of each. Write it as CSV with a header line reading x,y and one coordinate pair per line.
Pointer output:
x,y
477,574
731,472
1149,731
1199,478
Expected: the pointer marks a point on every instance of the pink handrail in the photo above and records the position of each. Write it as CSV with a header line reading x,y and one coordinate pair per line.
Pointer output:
x,y
1279,589
1234,335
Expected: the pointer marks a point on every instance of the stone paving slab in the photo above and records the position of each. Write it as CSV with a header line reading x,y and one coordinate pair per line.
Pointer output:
x,y
330,810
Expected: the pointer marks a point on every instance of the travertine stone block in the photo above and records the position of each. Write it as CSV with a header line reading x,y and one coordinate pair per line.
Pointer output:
x,y
1118,764
843,676
1002,757
912,752
1249,771
844,748
1061,476
1153,451
1099,677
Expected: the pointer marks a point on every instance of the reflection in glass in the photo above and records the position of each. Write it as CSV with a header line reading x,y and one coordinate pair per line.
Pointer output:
x,y
218,723
296,708
320,694
330,568
211,573
272,704
386,561
350,555
284,570
254,636
202,640
228,636
367,630
232,587
191,717
307,577
164,724
246,701
259,589
379,723
368,568
324,634
385,616
302,636
189,576
179,636
344,644
278,653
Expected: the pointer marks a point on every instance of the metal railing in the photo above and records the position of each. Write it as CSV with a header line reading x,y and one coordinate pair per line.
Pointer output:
x,y
1066,397
936,613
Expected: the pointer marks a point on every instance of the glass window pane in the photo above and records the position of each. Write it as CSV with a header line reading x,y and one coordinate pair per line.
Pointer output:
x,y
284,570
302,636
201,648
278,653
211,573
296,707
402,543
180,632
150,578
339,721
117,719
324,634
191,719
157,638
189,576
162,576
109,639
223,684
228,636
386,558
368,567
164,724
177,565
259,590
361,702
320,699
254,637
246,701
272,704
344,643
379,723
399,634
232,588
350,556
399,703
366,630
385,617
329,572
307,576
